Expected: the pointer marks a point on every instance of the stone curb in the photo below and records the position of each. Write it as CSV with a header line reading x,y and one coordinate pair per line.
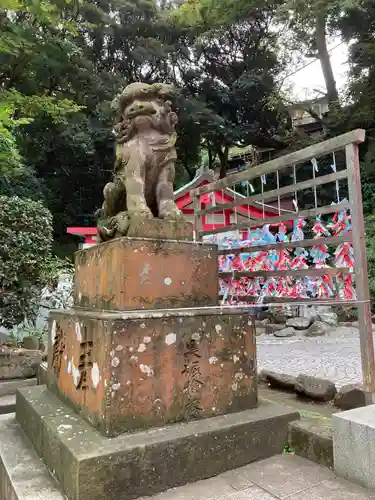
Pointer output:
x,y
348,397
10,387
313,388
7,404
312,440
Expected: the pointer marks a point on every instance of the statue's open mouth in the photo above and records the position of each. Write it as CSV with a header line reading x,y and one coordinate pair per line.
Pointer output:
x,y
146,111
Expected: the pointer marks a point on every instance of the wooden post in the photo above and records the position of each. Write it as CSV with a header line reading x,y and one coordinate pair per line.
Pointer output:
x,y
197,217
361,272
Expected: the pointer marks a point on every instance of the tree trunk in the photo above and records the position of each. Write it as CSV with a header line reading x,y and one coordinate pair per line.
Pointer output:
x,y
324,58
223,156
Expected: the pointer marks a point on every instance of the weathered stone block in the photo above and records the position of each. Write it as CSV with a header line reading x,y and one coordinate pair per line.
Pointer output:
x,y
161,229
315,388
23,475
312,439
354,445
89,466
134,273
126,371
350,396
278,380
18,362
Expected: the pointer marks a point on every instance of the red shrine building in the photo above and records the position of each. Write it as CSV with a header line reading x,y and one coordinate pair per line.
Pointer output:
x,y
221,218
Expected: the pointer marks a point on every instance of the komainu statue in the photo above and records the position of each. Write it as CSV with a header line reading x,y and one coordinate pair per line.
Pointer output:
x,y
142,185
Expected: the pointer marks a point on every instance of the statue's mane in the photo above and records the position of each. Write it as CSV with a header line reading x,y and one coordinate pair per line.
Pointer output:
x,y
125,129
143,91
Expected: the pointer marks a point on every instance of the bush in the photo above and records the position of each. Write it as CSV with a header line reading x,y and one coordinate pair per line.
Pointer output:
x,y
25,246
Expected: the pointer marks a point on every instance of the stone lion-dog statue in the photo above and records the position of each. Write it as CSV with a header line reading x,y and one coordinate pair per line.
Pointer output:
x,y
142,185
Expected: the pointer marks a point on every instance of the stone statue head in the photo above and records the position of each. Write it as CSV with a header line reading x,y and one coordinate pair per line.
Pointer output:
x,y
143,106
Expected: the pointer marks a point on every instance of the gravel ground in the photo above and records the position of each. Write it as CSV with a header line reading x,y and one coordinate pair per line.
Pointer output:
x,y
335,357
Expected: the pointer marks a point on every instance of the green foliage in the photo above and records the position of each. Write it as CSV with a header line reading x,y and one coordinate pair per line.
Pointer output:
x,y
26,239
10,158
20,332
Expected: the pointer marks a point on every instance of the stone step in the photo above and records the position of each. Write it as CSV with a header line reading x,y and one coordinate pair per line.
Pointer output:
x,y
9,387
312,439
8,404
89,466
23,475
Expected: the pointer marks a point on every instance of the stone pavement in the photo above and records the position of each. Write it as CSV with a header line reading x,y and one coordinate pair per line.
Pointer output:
x,y
281,477
335,357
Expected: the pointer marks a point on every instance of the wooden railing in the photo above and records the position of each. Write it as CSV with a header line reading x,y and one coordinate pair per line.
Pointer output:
x,y
337,176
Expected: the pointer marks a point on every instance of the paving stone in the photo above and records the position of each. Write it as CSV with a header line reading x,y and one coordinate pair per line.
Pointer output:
x,y
286,475
235,479
202,490
253,493
337,489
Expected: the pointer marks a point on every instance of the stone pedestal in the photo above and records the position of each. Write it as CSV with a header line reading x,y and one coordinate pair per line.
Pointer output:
x,y
136,273
134,370
147,358
354,445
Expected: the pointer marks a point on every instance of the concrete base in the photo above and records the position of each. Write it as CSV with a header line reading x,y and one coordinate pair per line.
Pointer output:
x,y
354,445
23,475
10,387
91,467
312,439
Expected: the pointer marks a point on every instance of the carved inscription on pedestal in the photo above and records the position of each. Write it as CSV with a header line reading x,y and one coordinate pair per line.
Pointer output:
x,y
85,358
193,377
58,349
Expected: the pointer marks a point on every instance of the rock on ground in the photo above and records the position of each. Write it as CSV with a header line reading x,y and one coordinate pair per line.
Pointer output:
x,y
273,327
298,323
278,380
19,362
315,388
279,317
350,396
317,329
328,317
285,333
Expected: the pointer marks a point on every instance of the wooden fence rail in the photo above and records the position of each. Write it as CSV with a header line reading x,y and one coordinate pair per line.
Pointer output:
x,y
351,176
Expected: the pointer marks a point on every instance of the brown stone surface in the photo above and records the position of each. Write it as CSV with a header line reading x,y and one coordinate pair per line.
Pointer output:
x,y
161,229
18,362
132,273
149,368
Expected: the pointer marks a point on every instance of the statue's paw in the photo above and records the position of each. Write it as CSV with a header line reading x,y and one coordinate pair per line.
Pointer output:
x,y
122,223
174,215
